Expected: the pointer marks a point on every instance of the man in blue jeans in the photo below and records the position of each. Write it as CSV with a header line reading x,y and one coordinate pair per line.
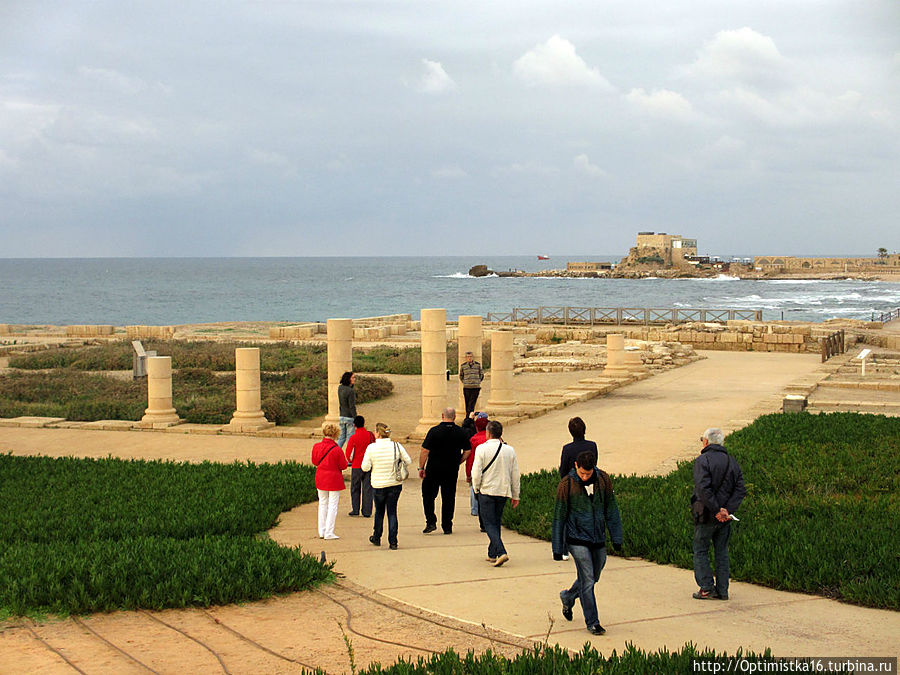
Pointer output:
x,y
718,492
585,509
495,478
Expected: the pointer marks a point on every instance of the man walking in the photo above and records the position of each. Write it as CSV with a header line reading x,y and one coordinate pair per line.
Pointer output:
x,y
718,492
578,445
495,478
360,481
445,447
470,374
585,509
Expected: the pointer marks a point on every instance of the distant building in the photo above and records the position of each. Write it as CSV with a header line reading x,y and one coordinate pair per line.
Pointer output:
x,y
794,264
672,247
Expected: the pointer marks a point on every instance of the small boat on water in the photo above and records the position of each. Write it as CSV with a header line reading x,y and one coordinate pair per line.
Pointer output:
x,y
543,257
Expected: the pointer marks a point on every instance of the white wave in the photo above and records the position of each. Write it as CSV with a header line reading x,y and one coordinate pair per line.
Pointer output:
x,y
349,279
778,282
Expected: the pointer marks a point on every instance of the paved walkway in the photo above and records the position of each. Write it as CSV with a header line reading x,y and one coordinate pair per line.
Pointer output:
x,y
641,428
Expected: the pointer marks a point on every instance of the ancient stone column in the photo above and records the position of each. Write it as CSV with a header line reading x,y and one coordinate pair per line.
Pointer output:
x,y
634,362
159,413
502,399
434,368
615,356
249,415
340,360
470,338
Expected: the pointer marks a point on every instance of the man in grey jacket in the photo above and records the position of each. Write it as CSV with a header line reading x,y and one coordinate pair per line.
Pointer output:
x,y
718,491
495,478
470,374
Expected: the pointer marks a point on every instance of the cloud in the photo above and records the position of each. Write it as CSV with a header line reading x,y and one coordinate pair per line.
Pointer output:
x,y
583,164
661,103
555,62
274,160
525,168
435,80
452,171
800,106
741,55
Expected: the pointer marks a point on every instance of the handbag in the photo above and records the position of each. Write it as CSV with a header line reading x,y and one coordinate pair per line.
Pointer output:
x,y
401,470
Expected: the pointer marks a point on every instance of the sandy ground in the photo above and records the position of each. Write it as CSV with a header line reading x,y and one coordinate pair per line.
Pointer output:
x,y
437,591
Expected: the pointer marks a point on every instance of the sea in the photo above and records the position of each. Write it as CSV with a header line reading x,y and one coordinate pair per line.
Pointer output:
x,y
172,291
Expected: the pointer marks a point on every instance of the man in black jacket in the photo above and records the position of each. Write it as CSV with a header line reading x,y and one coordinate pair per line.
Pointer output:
x,y
578,445
718,491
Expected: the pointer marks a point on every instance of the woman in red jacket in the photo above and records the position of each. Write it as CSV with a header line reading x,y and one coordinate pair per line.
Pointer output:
x,y
330,462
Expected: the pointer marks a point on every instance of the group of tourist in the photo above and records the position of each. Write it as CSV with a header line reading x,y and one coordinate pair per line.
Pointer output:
x,y
585,507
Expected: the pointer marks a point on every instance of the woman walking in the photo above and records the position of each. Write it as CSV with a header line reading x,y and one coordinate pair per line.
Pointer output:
x,y
381,459
329,461
347,404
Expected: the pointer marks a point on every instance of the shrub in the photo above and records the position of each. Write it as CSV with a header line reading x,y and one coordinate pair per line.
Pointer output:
x,y
823,500
200,395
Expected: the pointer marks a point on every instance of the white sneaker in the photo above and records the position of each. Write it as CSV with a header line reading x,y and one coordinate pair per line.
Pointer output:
x,y
331,536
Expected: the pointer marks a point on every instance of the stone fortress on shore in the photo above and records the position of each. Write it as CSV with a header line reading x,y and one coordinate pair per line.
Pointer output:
x,y
666,256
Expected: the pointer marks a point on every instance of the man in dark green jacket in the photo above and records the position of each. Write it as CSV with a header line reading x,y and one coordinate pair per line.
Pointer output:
x,y
585,508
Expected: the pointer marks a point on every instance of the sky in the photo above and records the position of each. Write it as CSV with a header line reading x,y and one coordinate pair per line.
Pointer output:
x,y
445,128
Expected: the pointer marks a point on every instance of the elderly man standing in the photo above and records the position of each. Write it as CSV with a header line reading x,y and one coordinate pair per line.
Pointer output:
x,y
470,374
445,447
718,491
495,478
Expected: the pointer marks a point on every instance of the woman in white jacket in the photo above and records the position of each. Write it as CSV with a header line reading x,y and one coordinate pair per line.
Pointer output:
x,y
380,459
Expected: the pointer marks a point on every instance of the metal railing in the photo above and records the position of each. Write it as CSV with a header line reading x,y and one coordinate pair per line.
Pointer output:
x,y
832,345
884,317
590,316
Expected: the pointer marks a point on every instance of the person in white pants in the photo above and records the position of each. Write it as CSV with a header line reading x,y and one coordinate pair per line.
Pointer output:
x,y
329,461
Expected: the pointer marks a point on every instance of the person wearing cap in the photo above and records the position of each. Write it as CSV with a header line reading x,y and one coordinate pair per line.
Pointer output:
x,y
479,437
470,374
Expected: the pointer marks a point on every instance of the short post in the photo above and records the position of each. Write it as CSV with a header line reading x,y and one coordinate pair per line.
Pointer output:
x,y
502,359
159,413
615,356
249,415
434,368
340,361
470,339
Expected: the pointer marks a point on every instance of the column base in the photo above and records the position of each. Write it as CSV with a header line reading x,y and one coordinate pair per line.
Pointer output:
x,y
617,372
242,422
159,419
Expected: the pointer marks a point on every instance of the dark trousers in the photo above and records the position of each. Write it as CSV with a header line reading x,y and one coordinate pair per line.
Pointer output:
x,y
361,486
490,511
470,394
446,484
718,535
386,500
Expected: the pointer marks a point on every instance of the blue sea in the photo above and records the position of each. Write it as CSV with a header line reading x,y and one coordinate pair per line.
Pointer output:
x,y
163,291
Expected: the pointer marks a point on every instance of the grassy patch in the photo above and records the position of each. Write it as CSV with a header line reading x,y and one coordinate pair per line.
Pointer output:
x,y
201,396
84,535
821,513
555,659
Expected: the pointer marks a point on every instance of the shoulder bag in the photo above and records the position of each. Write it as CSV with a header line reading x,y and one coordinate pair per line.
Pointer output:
x,y
401,470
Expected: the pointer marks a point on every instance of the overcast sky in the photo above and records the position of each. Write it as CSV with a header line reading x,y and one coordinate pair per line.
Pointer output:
x,y
412,128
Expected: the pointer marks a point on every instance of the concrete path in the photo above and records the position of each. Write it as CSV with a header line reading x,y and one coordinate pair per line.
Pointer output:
x,y
640,428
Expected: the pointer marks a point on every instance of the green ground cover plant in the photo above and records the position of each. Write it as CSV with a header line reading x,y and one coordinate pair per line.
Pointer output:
x,y
550,660
85,535
822,512
219,357
200,395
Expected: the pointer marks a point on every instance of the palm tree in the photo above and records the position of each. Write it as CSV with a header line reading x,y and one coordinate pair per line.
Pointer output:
x,y
882,253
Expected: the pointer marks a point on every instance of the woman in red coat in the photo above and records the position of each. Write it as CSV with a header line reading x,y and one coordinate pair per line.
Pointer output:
x,y
330,462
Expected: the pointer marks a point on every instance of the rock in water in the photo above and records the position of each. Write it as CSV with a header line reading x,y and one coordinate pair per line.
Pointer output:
x,y
479,271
